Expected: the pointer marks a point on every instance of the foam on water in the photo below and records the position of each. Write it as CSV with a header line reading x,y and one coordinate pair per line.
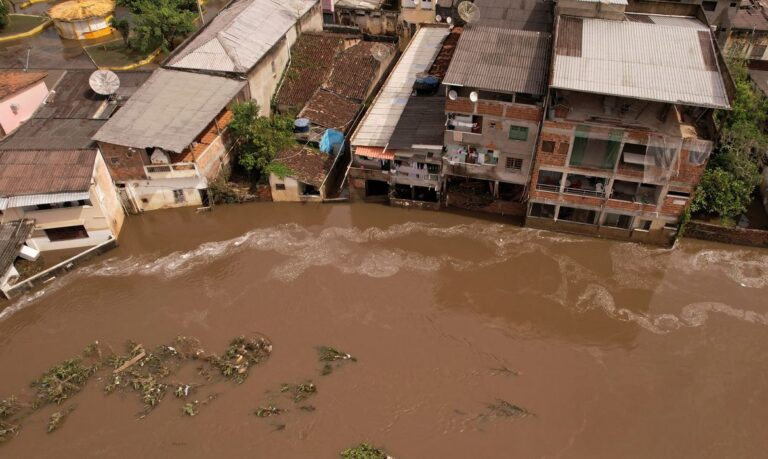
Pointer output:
x,y
361,252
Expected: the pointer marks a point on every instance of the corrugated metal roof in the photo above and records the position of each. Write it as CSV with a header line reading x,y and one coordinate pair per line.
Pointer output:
x,y
422,123
498,59
378,124
53,134
240,35
664,61
37,199
533,15
359,4
30,172
609,2
12,237
169,111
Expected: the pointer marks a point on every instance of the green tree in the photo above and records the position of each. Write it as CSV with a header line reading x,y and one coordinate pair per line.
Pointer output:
x,y
3,14
124,27
160,23
259,138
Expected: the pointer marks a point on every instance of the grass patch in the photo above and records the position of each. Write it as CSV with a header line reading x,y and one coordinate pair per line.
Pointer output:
x,y
18,23
115,54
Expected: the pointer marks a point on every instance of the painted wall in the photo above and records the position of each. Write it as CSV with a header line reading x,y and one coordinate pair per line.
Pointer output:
x,y
292,192
27,100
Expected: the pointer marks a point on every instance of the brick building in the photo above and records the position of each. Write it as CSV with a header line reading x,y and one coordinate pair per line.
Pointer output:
x,y
626,136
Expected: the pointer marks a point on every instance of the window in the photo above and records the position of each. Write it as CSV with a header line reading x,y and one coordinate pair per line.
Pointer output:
x,y
280,186
644,225
618,221
515,164
575,215
433,168
709,5
678,194
178,196
492,124
594,152
518,133
114,160
420,165
66,233
310,190
757,51
548,146
542,210
549,181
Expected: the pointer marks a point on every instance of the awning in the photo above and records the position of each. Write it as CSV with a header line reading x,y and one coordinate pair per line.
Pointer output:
x,y
37,199
375,152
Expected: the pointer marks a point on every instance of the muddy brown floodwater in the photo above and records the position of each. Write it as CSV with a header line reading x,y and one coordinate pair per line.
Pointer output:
x,y
619,350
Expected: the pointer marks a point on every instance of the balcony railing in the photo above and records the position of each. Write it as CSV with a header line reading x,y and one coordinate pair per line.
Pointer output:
x,y
174,170
584,192
550,188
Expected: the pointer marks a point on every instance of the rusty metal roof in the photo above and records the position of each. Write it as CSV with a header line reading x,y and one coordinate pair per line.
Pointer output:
x,y
502,60
648,57
26,172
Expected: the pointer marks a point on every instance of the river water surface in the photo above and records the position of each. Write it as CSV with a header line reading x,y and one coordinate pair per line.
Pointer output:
x,y
615,349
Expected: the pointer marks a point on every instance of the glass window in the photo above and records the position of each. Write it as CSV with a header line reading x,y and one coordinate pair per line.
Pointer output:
x,y
542,210
515,164
518,133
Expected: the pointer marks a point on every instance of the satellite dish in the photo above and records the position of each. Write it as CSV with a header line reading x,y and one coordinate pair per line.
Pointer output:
x,y
438,18
104,82
380,51
473,96
469,12
453,95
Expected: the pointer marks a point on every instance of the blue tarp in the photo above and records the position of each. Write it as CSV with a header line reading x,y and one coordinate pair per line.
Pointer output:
x,y
331,137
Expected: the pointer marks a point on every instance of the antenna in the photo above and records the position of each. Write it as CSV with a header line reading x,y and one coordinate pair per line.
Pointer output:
x,y
473,96
469,12
380,52
104,82
453,95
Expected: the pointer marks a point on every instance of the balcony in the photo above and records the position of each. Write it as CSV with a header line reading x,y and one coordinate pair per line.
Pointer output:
x,y
583,185
171,171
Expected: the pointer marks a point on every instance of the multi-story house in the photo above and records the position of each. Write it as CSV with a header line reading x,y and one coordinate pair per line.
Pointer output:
x,y
626,136
748,37
496,85
372,157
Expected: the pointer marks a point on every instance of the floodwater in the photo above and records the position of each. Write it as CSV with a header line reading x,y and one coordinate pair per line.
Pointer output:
x,y
620,350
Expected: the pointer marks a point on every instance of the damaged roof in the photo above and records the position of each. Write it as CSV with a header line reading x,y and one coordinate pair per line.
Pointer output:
x,y
422,123
307,165
28,172
12,237
379,122
648,57
170,110
312,57
240,35
502,60
330,110
356,69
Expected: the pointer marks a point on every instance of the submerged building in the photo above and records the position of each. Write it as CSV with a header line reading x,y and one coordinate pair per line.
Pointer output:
x,y
628,128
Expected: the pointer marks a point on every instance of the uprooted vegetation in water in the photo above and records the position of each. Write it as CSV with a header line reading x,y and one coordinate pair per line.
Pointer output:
x,y
364,451
329,357
503,408
147,372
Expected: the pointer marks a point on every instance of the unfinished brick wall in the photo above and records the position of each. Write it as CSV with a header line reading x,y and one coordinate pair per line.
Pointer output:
x,y
740,236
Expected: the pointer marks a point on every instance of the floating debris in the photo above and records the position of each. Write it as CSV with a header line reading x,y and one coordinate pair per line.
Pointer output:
x,y
7,430
265,412
240,355
505,371
307,408
506,409
182,390
364,451
328,355
190,409
299,392
9,407
57,418
61,381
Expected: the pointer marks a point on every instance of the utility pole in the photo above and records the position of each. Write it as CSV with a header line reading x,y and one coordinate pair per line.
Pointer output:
x,y
200,10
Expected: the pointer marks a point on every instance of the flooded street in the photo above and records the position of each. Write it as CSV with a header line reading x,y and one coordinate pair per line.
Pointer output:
x,y
615,349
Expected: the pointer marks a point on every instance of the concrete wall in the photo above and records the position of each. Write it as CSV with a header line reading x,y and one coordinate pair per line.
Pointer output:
x,y
292,192
102,219
27,101
264,77
371,22
744,44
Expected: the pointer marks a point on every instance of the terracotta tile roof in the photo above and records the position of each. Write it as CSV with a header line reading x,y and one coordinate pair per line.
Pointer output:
x,y
355,70
375,152
443,59
13,82
330,110
308,165
311,60
25,172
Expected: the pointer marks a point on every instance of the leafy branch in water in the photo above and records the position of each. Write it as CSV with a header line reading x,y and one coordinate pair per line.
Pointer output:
x,y
364,451
328,355
57,418
505,409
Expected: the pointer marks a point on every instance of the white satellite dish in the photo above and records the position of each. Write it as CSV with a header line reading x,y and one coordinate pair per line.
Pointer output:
x,y
380,51
469,12
104,82
438,18
473,96
453,95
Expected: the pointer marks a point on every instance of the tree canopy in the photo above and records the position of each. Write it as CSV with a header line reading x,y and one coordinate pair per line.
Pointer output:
x,y
3,14
259,138
156,23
